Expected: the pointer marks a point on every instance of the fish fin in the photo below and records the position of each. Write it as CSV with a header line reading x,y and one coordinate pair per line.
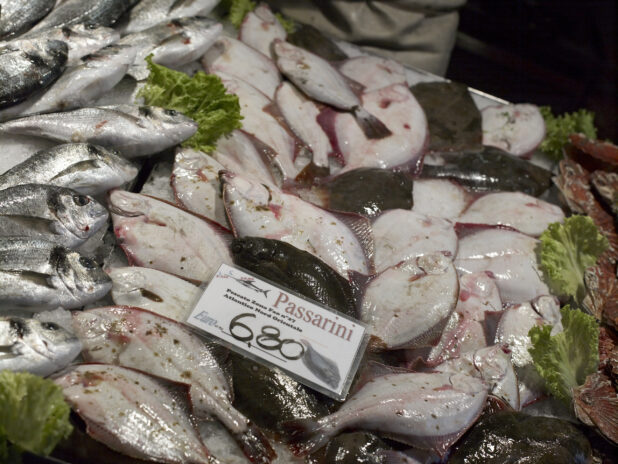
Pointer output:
x,y
371,126
374,369
256,446
308,435
269,157
311,172
361,227
81,166
35,224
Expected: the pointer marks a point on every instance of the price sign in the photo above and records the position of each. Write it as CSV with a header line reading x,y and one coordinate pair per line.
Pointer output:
x,y
316,345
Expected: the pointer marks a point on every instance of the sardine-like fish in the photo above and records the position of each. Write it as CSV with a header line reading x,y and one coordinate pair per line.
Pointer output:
x,y
17,16
36,274
260,28
46,212
150,12
80,85
132,130
82,39
156,291
260,211
408,305
301,115
236,59
195,180
135,414
429,411
27,66
155,234
400,235
525,213
322,82
41,348
135,338
97,12
321,366
89,169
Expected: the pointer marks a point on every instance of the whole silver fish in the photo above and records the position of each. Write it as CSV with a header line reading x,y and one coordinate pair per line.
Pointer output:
x,y
27,66
135,414
80,85
98,12
36,275
56,214
139,339
132,130
150,12
89,169
17,16
177,30
41,348
318,79
82,39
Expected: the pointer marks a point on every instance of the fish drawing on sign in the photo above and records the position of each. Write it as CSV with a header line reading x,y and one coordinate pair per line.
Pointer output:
x,y
322,367
249,284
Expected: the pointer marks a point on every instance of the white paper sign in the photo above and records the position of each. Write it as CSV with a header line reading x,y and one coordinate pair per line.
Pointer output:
x,y
317,346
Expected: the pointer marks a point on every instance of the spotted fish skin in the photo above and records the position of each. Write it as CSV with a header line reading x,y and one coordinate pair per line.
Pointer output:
x,y
28,66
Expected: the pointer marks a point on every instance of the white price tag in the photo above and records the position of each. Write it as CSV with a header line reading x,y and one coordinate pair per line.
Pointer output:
x,y
319,347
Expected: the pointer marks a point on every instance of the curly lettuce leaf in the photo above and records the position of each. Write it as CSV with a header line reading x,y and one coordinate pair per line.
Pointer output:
x,y
558,129
237,10
567,358
202,98
288,24
567,250
33,414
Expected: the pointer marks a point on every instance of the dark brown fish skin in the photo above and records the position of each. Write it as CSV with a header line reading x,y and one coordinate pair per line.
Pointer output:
x,y
29,65
354,448
455,123
369,191
311,39
491,170
269,397
298,270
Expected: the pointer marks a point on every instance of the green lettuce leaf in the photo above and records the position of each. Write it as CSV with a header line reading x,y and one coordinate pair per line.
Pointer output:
x,y
288,24
33,414
558,129
566,359
238,9
567,250
202,98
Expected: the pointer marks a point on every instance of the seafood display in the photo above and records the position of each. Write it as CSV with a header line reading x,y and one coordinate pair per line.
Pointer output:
x,y
417,212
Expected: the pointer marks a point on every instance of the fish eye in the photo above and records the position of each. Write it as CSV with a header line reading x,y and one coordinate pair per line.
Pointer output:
x,y
91,26
50,326
236,248
171,112
81,200
87,262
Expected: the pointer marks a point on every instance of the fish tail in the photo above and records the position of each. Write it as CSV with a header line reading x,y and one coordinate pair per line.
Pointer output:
x,y
308,435
372,127
265,292
256,446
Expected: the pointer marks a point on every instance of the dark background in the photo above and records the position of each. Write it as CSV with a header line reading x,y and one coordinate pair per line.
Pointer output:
x,y
557,53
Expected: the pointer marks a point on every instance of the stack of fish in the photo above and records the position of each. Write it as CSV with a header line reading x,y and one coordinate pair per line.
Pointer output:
x,y
319,191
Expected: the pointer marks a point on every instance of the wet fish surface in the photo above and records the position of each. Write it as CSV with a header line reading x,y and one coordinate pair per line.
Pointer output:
x,y
322,82
136,414
56,214
86,168
321,366
147,13
132,130
29,345
296,269
425,410
136,338
28,66
17,16
97,12
79,85
36,274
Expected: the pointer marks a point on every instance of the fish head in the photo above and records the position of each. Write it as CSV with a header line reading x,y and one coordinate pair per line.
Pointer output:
x,y
82,277
89,35
288,57
253,250
116,169
80,214
170,122
105,328
52,341
242,193
127,204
